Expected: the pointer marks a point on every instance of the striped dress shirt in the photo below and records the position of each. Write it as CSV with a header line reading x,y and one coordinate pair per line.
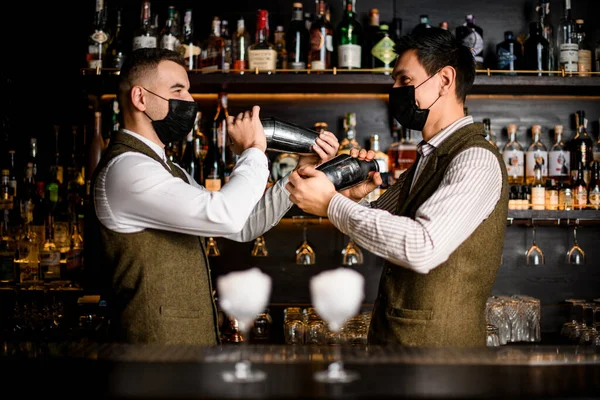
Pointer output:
x,y
469,192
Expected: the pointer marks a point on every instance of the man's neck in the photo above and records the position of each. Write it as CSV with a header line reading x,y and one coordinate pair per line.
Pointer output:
x,y
146,130
453,113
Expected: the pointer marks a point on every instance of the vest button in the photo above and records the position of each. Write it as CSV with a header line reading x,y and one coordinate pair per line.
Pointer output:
x,y
388,271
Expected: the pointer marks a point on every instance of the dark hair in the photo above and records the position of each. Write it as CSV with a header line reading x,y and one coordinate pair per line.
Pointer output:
x,y
141,62
437,48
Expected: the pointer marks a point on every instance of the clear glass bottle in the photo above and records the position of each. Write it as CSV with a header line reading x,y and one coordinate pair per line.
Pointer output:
x,y
490,135
99,38
594,187
536,49
145,35
543,9
584,54
321,41
212,47
471,35
227,49
349,142
581,145
536,154
402,153
297,40
567,47
350,39
241,41
50,265
280,47
509,53
514,157
383,161
220,119
538,189
262,54
559,157
579,188
169,35
551,194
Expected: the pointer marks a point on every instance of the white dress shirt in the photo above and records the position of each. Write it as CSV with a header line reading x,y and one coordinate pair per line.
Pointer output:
x,y
134,192
466,196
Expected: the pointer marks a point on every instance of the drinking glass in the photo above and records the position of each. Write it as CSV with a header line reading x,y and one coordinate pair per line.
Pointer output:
x,y
337,295
243,295
535,256
260,247
305,255
571,324
352,254
212,249
575,255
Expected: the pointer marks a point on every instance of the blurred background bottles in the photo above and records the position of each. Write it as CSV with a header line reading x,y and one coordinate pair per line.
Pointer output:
x,y
262,54
240,43
145,35
321,41
509,53
536,49
471,35
98,39
350,37
169,35
297,41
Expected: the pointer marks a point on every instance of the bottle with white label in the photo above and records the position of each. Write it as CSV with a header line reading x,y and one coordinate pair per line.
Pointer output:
x,y
349,37
584,54
50,265
567,47
536,154
538,190
559,157
262,55
321,41
514,157
145,35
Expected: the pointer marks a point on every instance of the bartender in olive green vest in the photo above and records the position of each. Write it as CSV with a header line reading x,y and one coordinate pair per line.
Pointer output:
x,y
440,228
149,216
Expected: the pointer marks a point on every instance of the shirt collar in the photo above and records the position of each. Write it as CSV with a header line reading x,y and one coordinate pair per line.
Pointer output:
x,y
425,148
155,147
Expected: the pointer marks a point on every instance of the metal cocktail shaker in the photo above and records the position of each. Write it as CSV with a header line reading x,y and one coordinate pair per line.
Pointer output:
x,y
345,171
285,137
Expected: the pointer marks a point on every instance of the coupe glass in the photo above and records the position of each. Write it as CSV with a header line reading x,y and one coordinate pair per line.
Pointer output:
x,y
243,295
575,255
535,256
337,295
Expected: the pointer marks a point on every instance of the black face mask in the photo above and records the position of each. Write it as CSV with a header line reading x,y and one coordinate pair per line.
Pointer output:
x,y
178,122
403,107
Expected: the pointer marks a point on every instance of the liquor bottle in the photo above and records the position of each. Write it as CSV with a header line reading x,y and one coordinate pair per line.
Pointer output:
x,y
471,36
402,153
349,142
189,47
297,39
116,50
536,154
509,53
8,254
383,51
74,259
190,160
579,188
581,145
321,41
227,49
584,54
444,25
145,35
559,157
371,31
169,35
349,37
490,136
382,159
543,9
241,41
212,47
536,49
12,172
567,47
280,48
596,149
551,191
220,119
262,54
345,171
396,24
594,187
423,24
98,40
514,157
213,163
538,189
32,157
50,266
286,137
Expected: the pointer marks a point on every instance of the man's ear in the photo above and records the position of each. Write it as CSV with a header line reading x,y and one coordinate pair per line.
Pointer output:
x,y
137,98
448,75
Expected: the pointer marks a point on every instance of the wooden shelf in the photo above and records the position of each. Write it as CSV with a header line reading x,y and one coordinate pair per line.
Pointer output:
x,y
587,217
354,82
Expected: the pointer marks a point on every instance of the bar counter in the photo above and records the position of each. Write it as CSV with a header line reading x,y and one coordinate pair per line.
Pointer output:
x,y
120,371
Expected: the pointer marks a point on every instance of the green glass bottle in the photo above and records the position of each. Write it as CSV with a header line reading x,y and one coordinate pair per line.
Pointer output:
x,y
350,36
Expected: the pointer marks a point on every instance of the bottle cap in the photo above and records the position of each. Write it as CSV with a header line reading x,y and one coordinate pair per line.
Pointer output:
x,y
373,11
558,129
536,129
297,5
512,128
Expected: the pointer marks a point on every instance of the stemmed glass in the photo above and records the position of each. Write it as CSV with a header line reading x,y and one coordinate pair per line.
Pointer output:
x,y
305,255
259,249
212,249
243,295
575,255
337,295
535,256
352,254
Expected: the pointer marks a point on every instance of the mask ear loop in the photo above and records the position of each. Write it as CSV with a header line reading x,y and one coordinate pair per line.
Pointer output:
x,y
438,71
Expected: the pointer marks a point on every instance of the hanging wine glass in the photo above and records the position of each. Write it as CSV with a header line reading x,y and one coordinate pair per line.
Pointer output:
x,y
352,254
305,254
212,248
259,249
575,255
535,256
